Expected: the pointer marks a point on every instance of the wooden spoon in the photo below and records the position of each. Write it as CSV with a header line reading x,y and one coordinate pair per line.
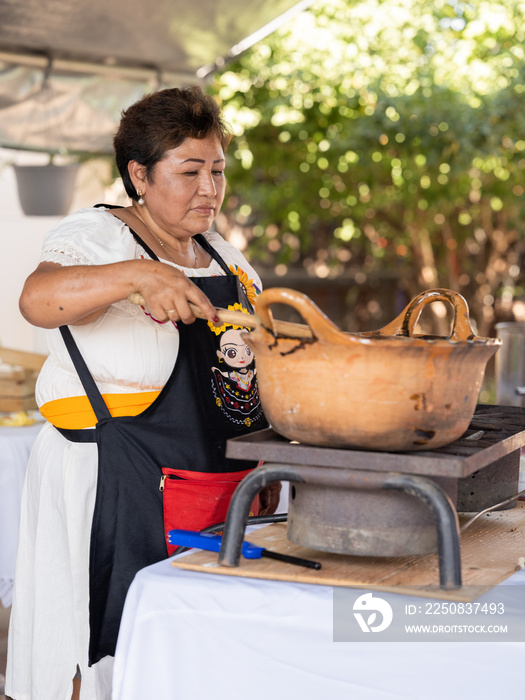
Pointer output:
x,y
239,318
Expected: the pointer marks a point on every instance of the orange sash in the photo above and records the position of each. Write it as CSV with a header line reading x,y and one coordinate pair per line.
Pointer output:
x,y
75,412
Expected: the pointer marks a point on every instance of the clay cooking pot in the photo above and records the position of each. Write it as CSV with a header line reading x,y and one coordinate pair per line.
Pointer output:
x,y
386,390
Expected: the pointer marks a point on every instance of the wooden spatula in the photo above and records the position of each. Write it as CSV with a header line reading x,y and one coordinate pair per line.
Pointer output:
x,y
239,318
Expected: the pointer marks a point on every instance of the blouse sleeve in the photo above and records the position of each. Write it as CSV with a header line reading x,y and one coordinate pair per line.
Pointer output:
x,y
88,237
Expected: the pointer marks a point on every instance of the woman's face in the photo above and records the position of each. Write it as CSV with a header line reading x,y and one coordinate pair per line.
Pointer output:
x,y
186,190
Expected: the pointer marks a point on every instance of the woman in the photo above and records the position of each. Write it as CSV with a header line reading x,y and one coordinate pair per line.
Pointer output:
x,y
149,429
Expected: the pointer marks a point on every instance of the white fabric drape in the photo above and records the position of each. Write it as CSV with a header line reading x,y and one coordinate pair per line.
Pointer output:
x,y
15,446
188,635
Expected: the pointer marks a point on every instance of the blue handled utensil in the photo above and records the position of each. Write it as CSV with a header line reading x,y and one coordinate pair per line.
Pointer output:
x,y
212,543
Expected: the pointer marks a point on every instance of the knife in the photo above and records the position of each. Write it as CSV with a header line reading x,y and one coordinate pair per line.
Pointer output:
x,y
212,543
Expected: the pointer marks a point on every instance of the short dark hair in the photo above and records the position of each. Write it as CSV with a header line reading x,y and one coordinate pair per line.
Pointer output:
x,y
161,121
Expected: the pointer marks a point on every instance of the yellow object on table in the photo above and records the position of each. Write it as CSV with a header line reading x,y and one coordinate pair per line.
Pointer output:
x,y
19,418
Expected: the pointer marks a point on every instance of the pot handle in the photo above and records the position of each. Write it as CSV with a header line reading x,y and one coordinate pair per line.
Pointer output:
x,y
405,323
320,325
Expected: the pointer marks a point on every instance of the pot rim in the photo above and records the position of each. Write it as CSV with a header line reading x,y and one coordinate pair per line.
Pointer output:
x,y
401,329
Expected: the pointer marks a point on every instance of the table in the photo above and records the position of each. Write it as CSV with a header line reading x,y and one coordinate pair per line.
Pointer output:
x,y
186,635
15,446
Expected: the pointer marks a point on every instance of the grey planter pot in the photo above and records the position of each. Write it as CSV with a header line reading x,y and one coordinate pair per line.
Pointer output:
x,y
46,190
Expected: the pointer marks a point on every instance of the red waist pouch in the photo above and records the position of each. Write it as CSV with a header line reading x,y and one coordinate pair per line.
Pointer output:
x,y
195,500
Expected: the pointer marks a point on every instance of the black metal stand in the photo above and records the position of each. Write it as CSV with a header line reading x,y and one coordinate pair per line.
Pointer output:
x,y
428,491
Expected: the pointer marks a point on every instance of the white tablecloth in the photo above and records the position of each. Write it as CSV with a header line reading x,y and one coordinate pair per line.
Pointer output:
x,y
188,636
15,446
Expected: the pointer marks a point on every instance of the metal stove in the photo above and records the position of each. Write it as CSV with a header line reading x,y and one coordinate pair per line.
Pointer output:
x,y
366,503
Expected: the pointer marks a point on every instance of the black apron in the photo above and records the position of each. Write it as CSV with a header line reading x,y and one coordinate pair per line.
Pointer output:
x,y
182,433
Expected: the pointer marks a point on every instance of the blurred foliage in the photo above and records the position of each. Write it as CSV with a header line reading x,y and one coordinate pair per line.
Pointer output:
x,y
385,135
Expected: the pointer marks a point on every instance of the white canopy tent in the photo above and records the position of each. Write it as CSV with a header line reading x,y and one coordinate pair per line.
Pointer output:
x,y
68,68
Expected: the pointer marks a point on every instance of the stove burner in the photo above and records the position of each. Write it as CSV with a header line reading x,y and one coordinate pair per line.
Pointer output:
x,y
362,503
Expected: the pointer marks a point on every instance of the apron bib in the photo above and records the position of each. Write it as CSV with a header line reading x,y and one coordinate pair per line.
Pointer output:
x,y
166,467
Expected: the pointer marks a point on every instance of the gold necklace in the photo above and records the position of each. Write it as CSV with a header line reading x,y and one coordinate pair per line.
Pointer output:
x,y
194,245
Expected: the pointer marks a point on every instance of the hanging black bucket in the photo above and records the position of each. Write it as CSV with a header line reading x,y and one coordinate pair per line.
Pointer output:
x,y
46,190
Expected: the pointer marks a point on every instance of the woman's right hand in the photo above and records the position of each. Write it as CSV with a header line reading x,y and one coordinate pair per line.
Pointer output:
x,y
167,293
54,295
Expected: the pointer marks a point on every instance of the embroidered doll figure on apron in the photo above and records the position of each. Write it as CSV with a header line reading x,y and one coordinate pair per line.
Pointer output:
x,y
234,380
174,451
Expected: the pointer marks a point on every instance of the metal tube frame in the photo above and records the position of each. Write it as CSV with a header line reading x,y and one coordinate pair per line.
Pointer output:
x,y
428,491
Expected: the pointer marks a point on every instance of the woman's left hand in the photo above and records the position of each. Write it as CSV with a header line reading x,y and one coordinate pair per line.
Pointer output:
x,y
269,498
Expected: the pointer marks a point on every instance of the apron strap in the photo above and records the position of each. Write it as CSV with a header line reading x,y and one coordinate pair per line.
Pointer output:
x,y
95,397
74,435
201,240
123,215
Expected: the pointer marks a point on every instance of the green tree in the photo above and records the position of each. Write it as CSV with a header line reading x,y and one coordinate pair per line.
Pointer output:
x,y
386,135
